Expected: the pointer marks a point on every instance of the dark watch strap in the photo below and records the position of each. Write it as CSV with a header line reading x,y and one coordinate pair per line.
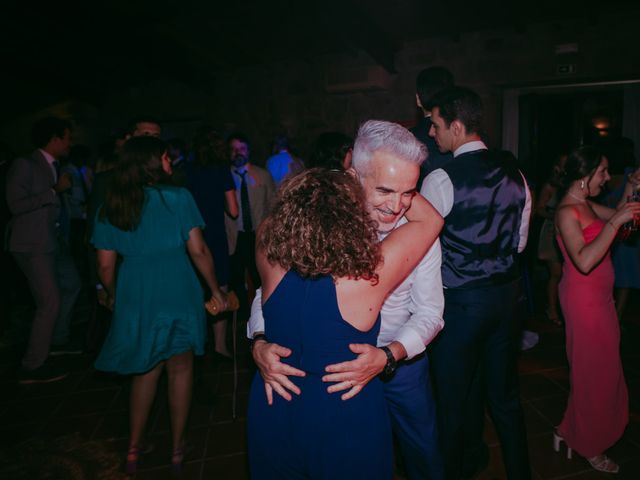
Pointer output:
x,y
256,337
390,367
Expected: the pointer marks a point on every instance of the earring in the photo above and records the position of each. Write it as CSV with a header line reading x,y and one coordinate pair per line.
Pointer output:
x,y
581,184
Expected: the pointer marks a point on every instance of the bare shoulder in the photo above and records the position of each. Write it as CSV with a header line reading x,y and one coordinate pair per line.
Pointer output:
x,y
359,301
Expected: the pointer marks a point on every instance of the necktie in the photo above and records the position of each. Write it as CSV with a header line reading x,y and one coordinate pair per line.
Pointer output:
x,y
244,202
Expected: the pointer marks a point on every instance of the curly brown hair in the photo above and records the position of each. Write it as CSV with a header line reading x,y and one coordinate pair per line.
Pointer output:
x,y
320,226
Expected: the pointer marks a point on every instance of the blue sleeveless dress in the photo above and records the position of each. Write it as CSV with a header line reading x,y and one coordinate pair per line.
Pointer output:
x,y
316,435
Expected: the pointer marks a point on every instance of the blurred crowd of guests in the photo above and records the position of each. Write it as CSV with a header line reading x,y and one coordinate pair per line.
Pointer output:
x,y
148,211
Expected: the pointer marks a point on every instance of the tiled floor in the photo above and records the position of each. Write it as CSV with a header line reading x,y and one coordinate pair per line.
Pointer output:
x,y
77,428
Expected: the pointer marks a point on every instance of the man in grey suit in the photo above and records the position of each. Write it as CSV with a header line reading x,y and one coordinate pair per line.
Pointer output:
x,y
33,188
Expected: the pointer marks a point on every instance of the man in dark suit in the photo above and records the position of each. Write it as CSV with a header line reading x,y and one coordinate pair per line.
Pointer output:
x,y
486,205
33,188
429,82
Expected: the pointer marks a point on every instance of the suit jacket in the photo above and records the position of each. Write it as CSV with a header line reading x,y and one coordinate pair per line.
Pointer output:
x,y
34,205
262,194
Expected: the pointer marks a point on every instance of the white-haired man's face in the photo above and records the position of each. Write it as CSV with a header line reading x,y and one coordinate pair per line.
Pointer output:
x,y
389,184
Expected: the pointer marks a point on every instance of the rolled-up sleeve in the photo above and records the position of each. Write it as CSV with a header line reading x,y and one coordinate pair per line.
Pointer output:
x,y
426,306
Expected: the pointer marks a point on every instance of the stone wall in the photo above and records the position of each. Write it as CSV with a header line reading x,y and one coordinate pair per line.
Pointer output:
x,y
292,96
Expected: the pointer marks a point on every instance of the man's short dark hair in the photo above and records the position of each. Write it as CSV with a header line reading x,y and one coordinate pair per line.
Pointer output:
x,y
240,136
133,123
462,104
431,81
46,128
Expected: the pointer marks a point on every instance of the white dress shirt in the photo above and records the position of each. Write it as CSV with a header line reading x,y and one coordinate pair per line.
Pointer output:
x,y
438,189
50,160
412,313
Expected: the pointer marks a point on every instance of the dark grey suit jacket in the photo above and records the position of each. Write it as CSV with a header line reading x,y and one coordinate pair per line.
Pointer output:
x,y
34,205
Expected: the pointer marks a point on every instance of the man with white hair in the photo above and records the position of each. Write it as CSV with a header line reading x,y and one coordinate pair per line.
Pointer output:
x,y
386,159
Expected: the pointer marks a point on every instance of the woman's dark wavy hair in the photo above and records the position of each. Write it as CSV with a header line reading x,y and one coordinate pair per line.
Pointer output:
x,y
320,226
582,162
140,165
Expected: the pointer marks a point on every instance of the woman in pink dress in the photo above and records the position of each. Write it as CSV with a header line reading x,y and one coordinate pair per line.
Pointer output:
x,y
598,409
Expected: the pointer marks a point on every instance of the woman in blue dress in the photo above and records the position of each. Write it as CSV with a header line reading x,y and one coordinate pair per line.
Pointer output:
x,y
210,182
158,311
324,282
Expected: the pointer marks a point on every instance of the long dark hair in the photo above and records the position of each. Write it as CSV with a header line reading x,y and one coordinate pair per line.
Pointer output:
x,y
582,162
140,165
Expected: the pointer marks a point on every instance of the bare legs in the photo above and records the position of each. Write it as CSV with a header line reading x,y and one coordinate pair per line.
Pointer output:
x,y
220,336
143,391
180,378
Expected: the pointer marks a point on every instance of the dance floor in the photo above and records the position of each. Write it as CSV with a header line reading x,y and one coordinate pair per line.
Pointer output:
x,y
77,428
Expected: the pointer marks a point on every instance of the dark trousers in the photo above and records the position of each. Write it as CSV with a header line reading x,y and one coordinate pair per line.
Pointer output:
x,y
473,362
242,268
413,419
55,284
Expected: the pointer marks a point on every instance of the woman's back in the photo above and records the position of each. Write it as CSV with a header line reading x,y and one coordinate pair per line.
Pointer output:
x,y
162,227
317,435
159,310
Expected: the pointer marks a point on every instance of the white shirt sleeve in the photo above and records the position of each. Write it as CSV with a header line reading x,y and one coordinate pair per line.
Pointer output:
x,y
426,306
526,217
438,189
256,321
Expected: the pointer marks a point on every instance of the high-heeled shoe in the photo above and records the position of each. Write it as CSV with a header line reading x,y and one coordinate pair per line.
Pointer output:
x,y
557,440
602,463
177,459
131,466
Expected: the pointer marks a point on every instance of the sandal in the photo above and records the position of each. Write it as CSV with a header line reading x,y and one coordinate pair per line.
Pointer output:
x,y
602,463
177,459
131,466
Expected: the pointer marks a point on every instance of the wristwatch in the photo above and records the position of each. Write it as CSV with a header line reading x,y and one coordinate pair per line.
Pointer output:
x,y
256,337
391,365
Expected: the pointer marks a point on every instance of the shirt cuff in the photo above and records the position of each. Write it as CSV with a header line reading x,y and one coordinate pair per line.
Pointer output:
x,y
411,342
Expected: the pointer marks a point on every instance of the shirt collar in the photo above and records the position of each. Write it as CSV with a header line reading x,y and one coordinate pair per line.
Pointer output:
x,y
47,156
240,170
469,147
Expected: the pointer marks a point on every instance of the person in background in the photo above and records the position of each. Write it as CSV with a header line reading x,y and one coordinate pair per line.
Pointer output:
x,y
281,163
34,185
625,254
158,310
332,150
430,81
548,250
255,193
598,406
210,182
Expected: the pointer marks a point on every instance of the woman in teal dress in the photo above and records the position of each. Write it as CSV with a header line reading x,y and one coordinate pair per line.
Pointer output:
x,y
158,309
